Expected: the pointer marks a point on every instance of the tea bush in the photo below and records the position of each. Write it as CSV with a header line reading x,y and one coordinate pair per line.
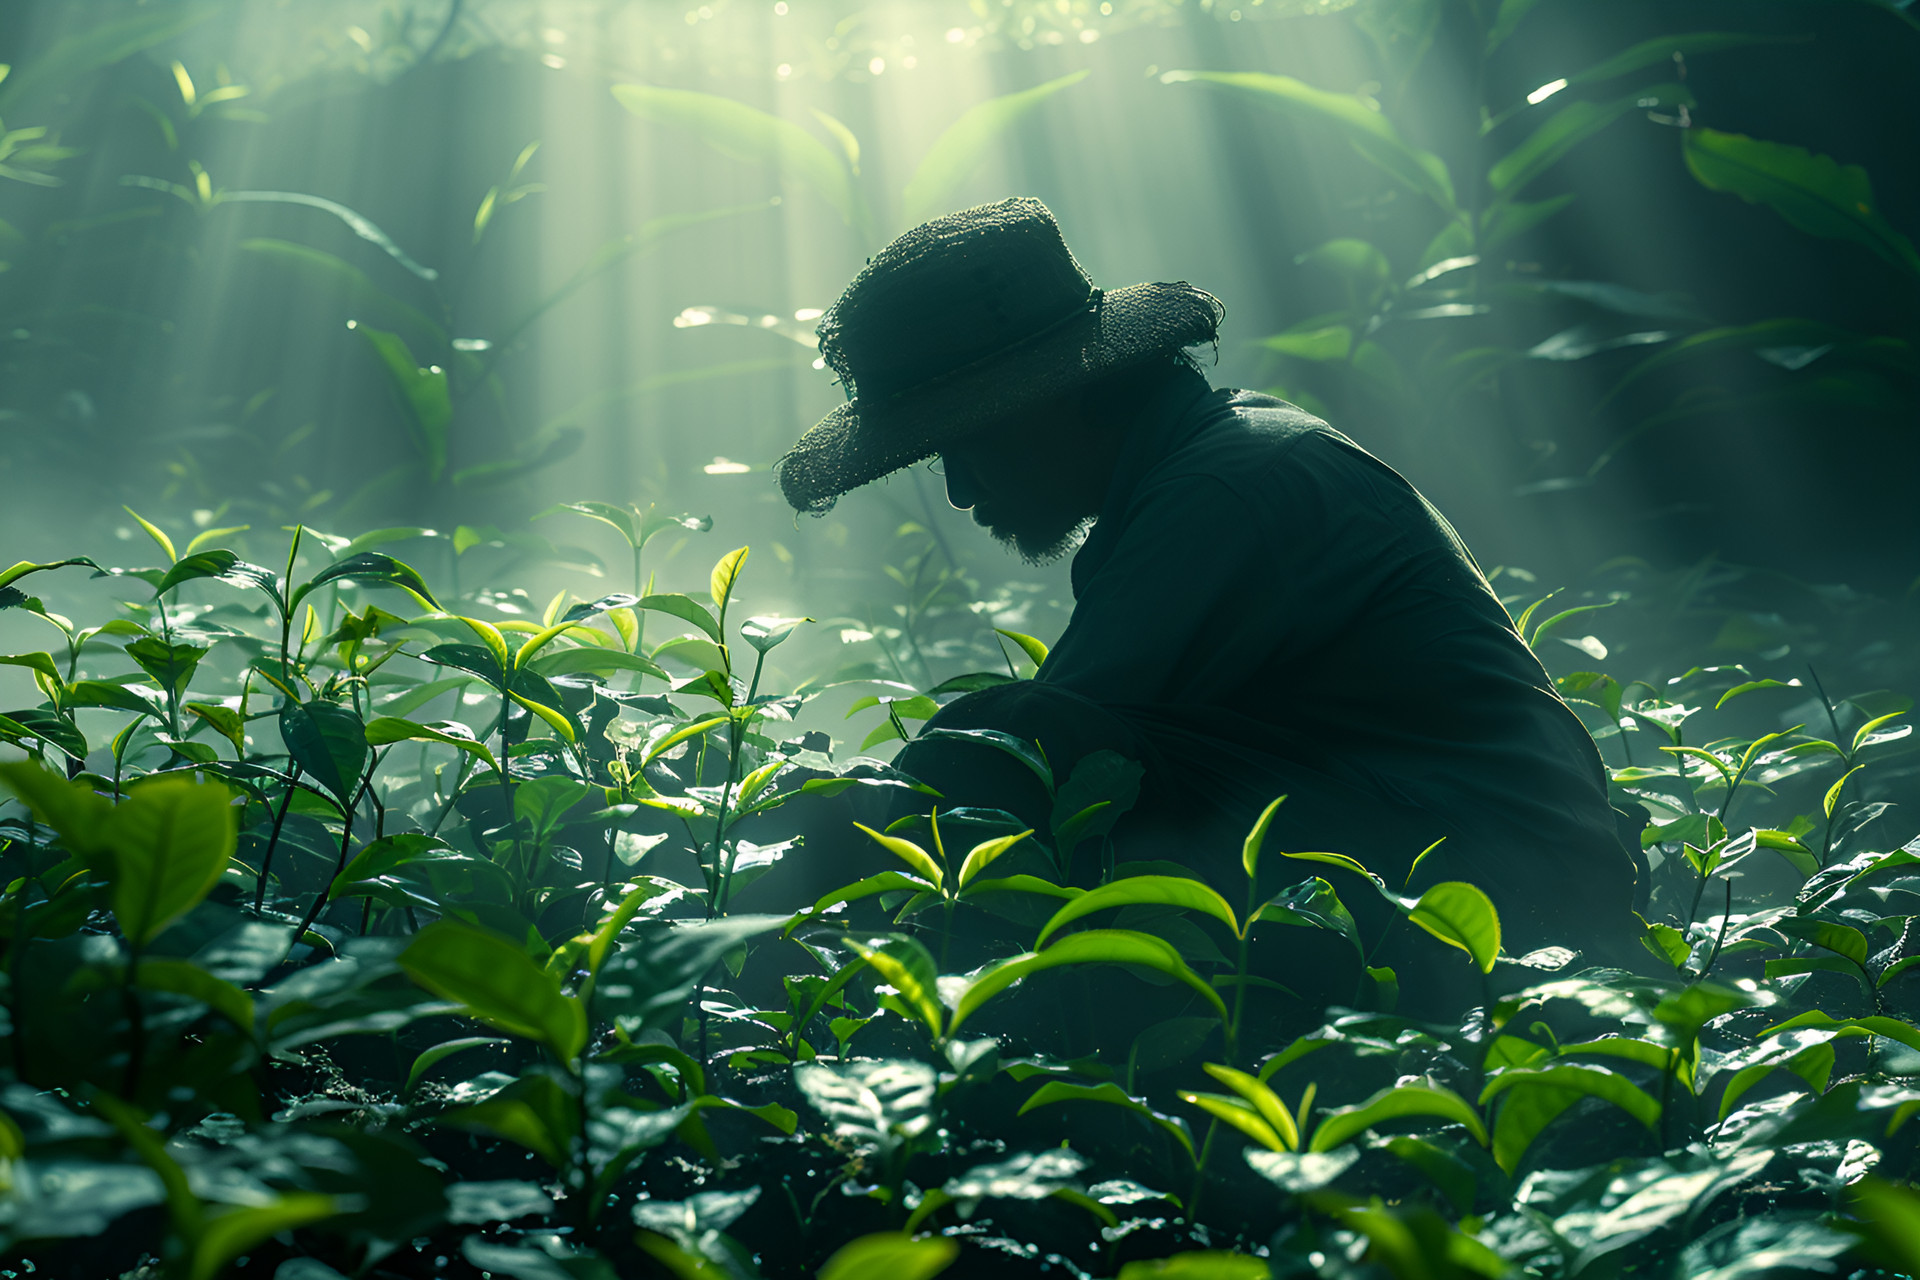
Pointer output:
x,y
353,932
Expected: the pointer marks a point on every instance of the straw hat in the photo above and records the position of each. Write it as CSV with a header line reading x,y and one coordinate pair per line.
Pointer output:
x,y
961,322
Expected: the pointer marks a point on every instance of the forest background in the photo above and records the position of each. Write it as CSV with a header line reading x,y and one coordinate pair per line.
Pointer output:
x,y
612,292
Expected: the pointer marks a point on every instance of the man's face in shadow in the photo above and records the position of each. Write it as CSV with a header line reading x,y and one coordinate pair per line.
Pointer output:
x,y
1031,480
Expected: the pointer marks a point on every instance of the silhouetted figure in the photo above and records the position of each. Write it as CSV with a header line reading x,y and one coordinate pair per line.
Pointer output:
x,y
1262,607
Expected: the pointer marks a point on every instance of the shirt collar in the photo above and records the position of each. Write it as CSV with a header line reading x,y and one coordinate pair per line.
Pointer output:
x,y
1162,424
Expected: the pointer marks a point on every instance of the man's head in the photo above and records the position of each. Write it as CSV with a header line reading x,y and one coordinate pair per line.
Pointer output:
x,y
1035,479
978,325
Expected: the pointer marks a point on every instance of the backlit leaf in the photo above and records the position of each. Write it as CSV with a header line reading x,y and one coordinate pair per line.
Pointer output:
x,y
959,150
1461,915
891,1255
1096,946
1174,891
983,854
1372,134
1250,848
1397,1102
910,853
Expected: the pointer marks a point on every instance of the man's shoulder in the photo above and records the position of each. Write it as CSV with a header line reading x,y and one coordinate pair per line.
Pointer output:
x,y
1244,437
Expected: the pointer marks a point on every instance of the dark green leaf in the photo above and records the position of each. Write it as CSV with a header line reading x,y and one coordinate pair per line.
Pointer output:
x,y
687,609
471,658
1814,193
1113,1095
22,568
36,724
369,566
498,983
1566,129
1023,751
171,665
647,983
170,840
222,566
1096,946
970,683
328,741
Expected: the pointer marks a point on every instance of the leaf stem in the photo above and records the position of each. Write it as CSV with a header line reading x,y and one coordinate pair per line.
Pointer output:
x,y
1200,1172
273,841
136,1022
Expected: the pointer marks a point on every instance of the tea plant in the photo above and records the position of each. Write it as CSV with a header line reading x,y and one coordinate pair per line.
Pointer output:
x,y
301,973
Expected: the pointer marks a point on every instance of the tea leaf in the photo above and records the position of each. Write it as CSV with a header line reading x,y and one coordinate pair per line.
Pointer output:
x,y
1540,1094
423,392
533,1111
1096,946
183,978
910,970
170,839
328,741
1407,1099
370,566
223,566
1240,1115
1035,650
891,1255
1250,849
233,1231
21,568
983,854
1027,753
1262,1099
498,983
1113,1095
910,853
1174,891
71,808
1461,915
764,633
388,729
726,573
153,531
1199,1264
1567,129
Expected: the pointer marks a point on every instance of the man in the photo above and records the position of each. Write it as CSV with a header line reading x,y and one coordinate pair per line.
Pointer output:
x,y
1262,607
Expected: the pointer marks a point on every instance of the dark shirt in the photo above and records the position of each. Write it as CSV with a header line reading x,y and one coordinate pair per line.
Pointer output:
x,y
1282,611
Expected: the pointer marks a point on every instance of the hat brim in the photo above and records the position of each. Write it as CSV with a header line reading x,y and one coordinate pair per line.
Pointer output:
x,y
860,442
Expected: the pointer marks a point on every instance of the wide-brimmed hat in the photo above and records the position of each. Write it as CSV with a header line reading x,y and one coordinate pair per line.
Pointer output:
x,y
961,322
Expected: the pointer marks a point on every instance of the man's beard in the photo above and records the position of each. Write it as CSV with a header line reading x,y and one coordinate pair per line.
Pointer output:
x,y
1037,540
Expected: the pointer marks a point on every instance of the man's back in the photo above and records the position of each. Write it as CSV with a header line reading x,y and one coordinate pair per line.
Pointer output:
x,y
1280,611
